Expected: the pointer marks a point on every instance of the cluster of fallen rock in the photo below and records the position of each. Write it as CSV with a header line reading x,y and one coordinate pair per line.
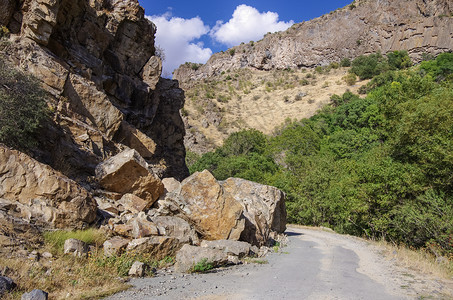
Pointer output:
x,y
198,218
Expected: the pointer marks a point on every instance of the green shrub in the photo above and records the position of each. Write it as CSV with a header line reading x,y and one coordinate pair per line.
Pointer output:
x,y
398,60
440,68
350,79
232,52
345,62
23,108
368,66
202,266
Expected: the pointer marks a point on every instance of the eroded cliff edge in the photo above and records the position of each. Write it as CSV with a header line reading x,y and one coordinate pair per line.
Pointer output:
x,y
96,59
365,26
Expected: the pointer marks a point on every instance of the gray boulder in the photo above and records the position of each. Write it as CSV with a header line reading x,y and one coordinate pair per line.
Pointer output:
x,y
75,247
235,248
35,295
137,269
189,256
6,285
177,228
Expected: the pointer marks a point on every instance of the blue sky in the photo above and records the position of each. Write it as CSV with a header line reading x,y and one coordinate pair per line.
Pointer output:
x,y
194,30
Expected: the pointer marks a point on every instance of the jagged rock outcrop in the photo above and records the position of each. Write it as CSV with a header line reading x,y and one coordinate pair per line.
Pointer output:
x,y
366,26
97,61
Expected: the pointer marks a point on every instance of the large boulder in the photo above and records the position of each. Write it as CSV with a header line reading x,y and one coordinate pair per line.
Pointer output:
x,y
263,208
158,247
236,248
214,216
127,172
177,228
43,193
189,256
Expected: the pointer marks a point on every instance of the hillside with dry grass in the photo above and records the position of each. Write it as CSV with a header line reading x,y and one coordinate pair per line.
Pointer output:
x,y
262,100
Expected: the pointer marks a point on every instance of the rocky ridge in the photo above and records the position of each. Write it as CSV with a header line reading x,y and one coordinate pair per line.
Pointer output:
x,y
96,60
363,27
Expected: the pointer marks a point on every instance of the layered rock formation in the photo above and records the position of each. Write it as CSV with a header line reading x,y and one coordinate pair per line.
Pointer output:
x,y
365,26
96,59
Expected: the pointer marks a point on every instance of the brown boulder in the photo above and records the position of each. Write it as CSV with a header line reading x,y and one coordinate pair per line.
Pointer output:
x,y
142,227
264,208
45,194
128,172
134,204
157,247
214,216
115,246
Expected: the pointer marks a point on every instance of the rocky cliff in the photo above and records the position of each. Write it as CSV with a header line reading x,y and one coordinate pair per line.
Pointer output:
x,y
96,59
365,26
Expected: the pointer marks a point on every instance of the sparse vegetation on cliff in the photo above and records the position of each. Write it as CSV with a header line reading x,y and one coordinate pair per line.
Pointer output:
x,y
23,107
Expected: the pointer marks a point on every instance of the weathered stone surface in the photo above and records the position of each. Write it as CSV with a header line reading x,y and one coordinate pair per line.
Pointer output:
x,y
43,192
134,204
6,285
128,172
115,246
75,247
189,256
135,139
236,248
6,11
264,209
152,71
35,295
137,269
92,105
214,216
143,227
39,20
158,247
369,26
177,228
171,184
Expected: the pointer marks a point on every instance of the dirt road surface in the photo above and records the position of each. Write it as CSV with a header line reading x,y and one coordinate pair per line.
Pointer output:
x,y
316,264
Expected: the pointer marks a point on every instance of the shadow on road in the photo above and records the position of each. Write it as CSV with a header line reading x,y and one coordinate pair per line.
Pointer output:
x,y
292,233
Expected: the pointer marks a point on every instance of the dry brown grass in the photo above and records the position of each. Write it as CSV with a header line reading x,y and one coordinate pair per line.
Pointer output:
x,y
262,100
420,260
69,277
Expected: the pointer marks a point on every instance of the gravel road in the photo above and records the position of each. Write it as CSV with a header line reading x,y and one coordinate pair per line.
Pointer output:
x,y
316,264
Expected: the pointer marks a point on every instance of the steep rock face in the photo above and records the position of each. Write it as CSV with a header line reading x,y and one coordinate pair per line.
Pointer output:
x,y
415,25
96,59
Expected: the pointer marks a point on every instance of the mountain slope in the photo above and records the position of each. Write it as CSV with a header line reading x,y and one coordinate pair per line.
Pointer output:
x,y
365,26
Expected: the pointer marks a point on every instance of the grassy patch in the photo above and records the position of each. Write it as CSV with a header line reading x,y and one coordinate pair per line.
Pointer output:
x,y
55,239
202,266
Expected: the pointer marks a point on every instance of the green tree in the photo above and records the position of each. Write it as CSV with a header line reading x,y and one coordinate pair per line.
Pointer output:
x,y
23,108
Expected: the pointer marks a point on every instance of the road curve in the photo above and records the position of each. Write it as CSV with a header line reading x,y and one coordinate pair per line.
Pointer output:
x,y
316,264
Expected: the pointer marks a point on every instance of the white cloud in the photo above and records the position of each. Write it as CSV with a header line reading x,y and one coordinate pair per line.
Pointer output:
x,y
177,37
247,24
